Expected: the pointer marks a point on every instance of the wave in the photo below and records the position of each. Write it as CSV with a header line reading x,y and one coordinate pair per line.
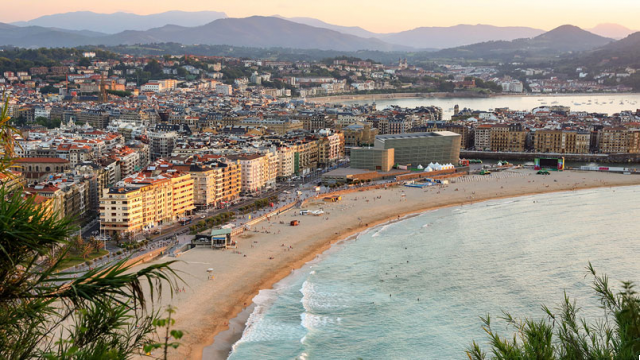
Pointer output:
x,y
313,321
382,229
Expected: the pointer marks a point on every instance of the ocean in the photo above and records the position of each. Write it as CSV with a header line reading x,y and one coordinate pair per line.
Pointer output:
x,y
415,289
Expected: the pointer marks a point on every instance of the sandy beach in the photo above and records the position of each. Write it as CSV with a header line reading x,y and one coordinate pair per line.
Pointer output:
x,y
270,252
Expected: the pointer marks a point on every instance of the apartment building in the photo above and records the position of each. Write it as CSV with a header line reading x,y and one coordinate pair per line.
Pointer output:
x,y
562,141
251,172
507,138
305,157
157,195
482,139
161,144
286,161
617,140
330,149
214,184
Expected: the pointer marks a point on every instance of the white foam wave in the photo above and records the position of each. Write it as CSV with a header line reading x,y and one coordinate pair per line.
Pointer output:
x,y
382,229
315,300
312,321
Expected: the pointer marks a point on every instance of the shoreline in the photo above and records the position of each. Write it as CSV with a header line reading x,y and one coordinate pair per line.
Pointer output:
x,y
210,308
282,275
333,99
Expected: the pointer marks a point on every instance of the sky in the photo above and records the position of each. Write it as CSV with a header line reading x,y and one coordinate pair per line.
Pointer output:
x,y
373,15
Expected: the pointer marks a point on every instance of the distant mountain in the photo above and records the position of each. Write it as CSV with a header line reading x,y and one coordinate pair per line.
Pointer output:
x,y
566,38
37,36
613,31
350,30
256,31
431,37
459,35
120,21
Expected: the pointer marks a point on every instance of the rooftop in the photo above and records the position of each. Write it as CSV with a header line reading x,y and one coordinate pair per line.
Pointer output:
x,y
415,135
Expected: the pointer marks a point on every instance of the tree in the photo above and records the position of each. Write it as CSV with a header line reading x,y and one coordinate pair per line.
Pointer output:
x,y
153,67
84,62
182,72
99,314
96,244
563,335
116,238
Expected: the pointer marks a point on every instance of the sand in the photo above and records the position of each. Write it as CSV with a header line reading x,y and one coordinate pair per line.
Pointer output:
x,y
206,307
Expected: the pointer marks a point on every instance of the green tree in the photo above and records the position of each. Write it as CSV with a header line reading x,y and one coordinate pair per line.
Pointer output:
x,y
84,62
182,72
563,335
153,67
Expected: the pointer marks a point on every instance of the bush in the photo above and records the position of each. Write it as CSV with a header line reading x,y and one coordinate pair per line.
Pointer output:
x,y
564,335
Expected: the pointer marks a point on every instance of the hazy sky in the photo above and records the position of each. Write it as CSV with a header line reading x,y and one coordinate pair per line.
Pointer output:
x,y
374,15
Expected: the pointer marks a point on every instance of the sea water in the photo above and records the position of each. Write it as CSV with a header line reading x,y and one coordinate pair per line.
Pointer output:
x,y
415,289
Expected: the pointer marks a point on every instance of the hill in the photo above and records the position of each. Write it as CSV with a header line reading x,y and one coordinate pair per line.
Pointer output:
x,y
620,54
121,21
566,38
37,36
349,30
569,38
613,31
459,35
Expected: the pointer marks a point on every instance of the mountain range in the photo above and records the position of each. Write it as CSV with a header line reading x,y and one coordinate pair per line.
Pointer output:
x,y
121,21
432,37
196,28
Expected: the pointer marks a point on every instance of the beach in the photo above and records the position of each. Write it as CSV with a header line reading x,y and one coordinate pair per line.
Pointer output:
x,y
274,249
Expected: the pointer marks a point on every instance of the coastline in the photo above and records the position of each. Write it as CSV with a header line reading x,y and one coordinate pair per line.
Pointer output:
x,y
216,319
419,95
